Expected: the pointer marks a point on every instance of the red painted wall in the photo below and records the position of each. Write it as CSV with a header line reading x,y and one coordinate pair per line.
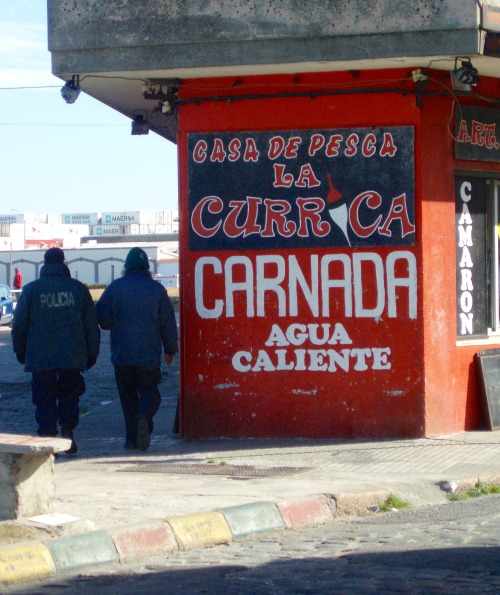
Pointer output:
x,y
453,401
420,383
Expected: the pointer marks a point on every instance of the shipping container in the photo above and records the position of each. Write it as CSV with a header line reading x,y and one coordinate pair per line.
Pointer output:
x,y
81,218
121,218
8,219
107,230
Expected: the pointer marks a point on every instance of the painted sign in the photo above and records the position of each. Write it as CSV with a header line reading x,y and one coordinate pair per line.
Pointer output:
x,y
470,219
302,189
476,133
300,281
43,244
322,291
272,335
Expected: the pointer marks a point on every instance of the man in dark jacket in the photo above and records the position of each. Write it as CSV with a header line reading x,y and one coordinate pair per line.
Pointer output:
x,y
139,314
56,335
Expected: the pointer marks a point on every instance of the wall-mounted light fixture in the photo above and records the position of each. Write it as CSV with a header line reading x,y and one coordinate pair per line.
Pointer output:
x,y
71,89
140,124
465,76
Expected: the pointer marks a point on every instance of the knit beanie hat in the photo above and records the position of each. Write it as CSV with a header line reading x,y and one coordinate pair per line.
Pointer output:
x,y
137,259
53,256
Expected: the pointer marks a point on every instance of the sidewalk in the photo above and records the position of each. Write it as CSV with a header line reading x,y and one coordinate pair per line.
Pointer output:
x,y
178,477
111,488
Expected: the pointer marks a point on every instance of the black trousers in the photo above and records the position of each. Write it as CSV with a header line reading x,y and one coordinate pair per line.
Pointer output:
x,y
55,394
139,396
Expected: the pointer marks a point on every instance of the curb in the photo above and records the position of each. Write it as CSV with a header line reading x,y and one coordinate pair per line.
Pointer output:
x,y
314,511
86,549
35,560
204,529
253,519
141,541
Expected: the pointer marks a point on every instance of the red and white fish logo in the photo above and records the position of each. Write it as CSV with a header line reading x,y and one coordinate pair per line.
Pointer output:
x,y
338,208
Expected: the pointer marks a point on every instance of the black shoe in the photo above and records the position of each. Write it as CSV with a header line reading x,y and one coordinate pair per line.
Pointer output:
x,y
68,433
130,445
143,434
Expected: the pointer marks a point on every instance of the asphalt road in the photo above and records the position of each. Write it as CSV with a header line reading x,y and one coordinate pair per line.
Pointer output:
x,y
451,548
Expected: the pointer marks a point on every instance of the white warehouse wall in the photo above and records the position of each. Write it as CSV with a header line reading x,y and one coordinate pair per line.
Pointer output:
x,y
89,265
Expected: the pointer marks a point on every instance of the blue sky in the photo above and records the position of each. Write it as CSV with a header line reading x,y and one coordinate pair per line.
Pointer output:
x,y
68,158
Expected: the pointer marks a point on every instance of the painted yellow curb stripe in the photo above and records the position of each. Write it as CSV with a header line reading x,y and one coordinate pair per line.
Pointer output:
x,y
25,562
200,529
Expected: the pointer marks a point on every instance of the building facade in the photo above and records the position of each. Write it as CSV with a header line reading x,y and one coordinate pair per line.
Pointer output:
x,y
25,231
339,173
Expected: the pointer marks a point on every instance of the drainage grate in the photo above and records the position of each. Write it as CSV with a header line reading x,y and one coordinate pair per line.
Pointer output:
x,y
224,470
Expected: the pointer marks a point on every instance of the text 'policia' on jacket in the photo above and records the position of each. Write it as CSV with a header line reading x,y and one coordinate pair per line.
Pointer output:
x,y
52,316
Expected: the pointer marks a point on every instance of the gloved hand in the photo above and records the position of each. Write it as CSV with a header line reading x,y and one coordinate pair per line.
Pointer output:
x,y
21,358
91,362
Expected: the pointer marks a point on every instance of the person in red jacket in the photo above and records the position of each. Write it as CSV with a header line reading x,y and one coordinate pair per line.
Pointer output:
x,y
18,279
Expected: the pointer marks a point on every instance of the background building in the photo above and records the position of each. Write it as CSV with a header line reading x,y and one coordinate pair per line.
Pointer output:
x,y
104,238
35,230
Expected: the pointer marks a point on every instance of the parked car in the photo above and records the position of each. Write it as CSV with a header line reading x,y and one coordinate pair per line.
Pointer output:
x,y
6,306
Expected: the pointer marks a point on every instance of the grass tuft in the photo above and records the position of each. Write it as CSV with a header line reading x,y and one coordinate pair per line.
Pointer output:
x,y
392,502
480,489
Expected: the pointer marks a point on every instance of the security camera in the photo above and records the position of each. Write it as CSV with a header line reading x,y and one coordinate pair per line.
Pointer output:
x,y
70,92
140,124
466,74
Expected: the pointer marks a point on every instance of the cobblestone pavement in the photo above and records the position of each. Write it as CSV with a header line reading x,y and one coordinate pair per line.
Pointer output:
x,y
452,549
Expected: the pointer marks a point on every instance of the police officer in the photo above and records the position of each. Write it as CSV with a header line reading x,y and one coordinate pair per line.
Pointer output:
x,y
56,335
139,314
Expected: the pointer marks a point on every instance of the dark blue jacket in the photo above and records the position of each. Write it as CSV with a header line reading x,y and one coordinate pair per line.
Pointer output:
x,y
139,314
55,322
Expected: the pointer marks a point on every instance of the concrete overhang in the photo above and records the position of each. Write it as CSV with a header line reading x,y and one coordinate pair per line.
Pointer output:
x,y
115,46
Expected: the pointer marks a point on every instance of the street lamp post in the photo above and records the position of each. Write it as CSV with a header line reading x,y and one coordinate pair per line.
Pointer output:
x,y
10,265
